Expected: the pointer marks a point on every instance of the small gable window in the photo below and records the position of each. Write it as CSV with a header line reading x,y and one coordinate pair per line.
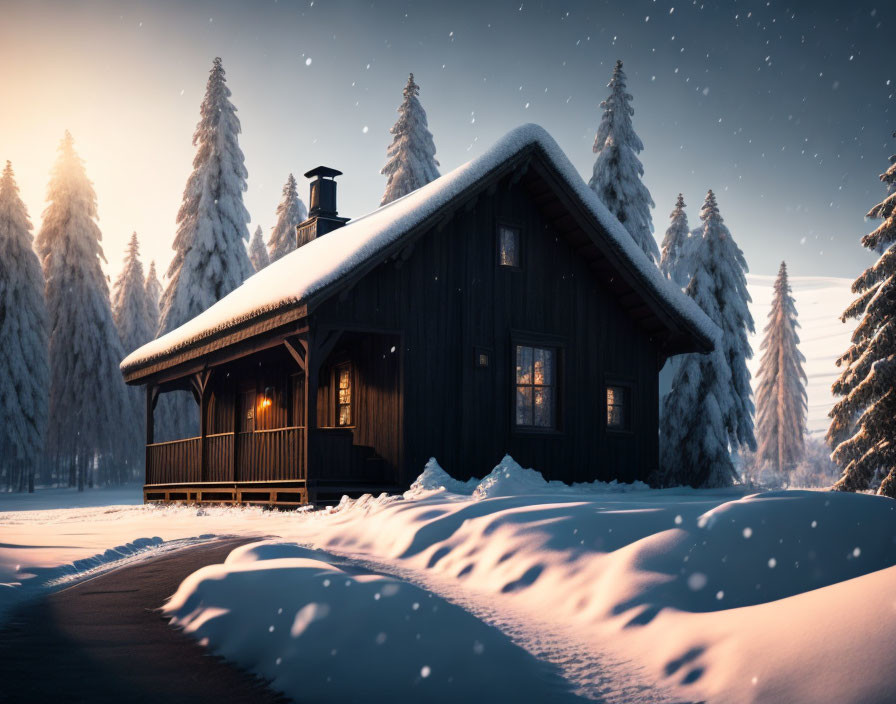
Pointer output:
x,y
536,393
343,395
618,410
508,246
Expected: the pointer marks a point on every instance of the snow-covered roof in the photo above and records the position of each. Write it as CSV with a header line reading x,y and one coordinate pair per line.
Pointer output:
x,y
299,275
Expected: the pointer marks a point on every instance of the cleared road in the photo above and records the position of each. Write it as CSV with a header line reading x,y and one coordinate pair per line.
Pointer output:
x,y
104,641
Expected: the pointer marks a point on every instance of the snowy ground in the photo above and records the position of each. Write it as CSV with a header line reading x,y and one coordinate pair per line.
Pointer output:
x,y
621,595
823,338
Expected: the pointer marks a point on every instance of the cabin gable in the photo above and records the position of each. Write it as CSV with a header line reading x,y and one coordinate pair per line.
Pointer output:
x,y
461,316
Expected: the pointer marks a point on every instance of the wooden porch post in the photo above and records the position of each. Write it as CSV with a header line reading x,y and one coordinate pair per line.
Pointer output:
x,y
201,383
312,370
150,406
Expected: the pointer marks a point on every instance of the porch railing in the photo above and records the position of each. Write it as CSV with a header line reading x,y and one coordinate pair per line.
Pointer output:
x,y
175,461
263,455
267,455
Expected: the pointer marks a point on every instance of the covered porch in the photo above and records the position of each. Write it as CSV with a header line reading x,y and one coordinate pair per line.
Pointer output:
x,y
250,442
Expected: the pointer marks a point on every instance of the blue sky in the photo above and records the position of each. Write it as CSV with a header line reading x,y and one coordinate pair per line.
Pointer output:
x,y
784,109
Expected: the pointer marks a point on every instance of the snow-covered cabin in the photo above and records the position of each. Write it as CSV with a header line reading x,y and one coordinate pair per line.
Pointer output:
x,y
498,309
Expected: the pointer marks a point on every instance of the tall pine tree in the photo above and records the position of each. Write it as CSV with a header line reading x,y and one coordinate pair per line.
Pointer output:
x,y
210,258
87,394
24,372
781,392
290,212
709,408
130,304
673,262
863,421
258,253
153,288
617,169
411,161
132,313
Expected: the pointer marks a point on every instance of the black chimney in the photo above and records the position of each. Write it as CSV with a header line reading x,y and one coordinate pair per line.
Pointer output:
x,y
322,215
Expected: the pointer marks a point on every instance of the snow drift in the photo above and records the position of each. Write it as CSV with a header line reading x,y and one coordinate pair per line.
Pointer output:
x,y
624,594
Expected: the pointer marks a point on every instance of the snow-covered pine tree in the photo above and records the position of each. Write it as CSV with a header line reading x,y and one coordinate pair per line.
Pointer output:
x,y
130,307
709,407
87,394
617,169
693,433
210,258
411,161
673,262
781,392
258,253
24,372
132,313
863,429
153,290
290,212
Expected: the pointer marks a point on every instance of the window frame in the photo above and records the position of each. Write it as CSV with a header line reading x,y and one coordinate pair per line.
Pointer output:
x,y
628,388
558,346
337,406
508,224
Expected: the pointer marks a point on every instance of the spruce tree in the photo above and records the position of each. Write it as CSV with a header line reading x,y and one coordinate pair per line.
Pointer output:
x,y
709,409
87,393
781,392
617,169
131,311
130,305
411,161
673,262
863,421
24,372
290,213
258,253
210,258
153,290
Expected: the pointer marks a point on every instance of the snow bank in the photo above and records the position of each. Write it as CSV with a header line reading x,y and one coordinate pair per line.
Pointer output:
x,y
321,629
630,595
508,478
309,269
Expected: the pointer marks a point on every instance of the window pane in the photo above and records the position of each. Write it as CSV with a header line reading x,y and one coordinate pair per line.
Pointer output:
x,y
345,415
544,408
538,366
524,405
509,246
523,365
544,367
615,417
611,395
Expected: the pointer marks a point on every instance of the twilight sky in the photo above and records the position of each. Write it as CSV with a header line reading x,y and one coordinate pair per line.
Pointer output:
x,y
784,109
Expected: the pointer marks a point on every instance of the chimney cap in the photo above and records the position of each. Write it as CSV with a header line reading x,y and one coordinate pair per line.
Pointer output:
x,y
323,171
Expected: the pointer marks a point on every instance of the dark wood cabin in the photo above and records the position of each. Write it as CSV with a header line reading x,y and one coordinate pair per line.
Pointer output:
x,y
492,311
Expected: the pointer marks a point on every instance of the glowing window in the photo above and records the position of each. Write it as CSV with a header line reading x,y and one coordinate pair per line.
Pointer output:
x,y
343,395
617,408
536,397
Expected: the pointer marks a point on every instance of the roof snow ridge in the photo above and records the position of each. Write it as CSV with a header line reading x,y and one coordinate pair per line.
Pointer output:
x,y
308,270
